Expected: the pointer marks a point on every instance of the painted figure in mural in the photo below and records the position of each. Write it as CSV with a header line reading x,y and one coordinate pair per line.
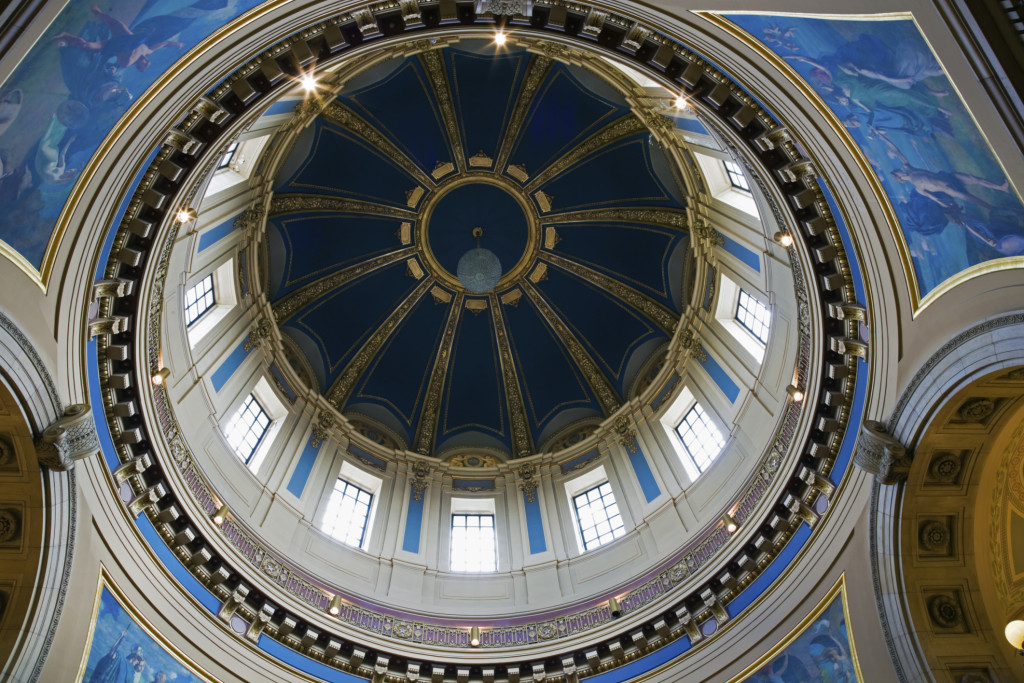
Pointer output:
x,y
830,656
123,47
114,668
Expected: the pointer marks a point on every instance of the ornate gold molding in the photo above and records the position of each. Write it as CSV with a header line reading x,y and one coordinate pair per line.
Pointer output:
x,y
434,66
426,431
536,72
668,218
616,130
342,387
292,303
657,312
606,394
519,427
294,203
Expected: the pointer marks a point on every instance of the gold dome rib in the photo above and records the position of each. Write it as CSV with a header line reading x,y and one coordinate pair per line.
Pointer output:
x,y
283,204
536,72
426,429
434,66
290,304
522,442
606,394
342,388
349,120
661,315
667,218
616,130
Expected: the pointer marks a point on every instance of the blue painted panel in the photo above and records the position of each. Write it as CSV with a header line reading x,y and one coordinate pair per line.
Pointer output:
x,y
391,103
474,394
300,475
721,377
613,249
563,114
844,234
375,178
282,107
608,328
551,380
954,202
588,184
223,373
691,125
643,472
470,484
171,562
372,459
745,255
578,461
61,83
484,88
313,245
413,522
216,233
320,671
534,525
398,377
96,400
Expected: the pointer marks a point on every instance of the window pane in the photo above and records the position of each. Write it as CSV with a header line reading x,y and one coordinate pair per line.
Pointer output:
x,y
473,544
229,156
199,299
598,517
348,511
701,438
247,428
754,316
736,177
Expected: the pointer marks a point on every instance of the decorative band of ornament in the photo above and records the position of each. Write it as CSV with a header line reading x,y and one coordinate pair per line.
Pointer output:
x,y
676,65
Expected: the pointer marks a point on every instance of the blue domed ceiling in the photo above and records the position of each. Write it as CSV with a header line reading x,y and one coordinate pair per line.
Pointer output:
x,y
377,203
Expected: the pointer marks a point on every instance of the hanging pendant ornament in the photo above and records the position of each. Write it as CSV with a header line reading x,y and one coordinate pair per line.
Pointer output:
x,y
479,269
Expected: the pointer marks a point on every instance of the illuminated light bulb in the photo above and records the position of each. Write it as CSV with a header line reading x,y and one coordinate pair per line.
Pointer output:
x,y
308,82
500,38
1015,634
474,636
184,215
335,608
784,238
795,393
161,376
681,102
730,524
220,515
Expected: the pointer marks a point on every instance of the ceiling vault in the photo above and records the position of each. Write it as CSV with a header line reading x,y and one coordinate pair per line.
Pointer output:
x,y
426,432
346,118
668,218
522,442
616,130
283,204
606,394
342,388
290,304
434,65
660,314
536,72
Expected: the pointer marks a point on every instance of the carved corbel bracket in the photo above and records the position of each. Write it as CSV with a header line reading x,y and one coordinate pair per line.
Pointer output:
x,y
528,481
71,437
322,429
879,453
626,433
261,330
420,479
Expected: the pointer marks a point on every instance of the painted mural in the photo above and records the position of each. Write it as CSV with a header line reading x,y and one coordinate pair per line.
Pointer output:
x,y
121,651
821,651
954,202
70,90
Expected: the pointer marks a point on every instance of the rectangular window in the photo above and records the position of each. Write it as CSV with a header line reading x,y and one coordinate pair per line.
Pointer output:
x,y
701,438
473,544
598,517
199,299
229,156
736,177
348,511
247,428
754,316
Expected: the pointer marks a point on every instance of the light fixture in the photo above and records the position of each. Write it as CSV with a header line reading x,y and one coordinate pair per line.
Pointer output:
x,y
795,393
479,269
335,608
681,103
220,515
730,524
184,214
784,238
1015,634
500,38
161,376
614,608
308,82
474,636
